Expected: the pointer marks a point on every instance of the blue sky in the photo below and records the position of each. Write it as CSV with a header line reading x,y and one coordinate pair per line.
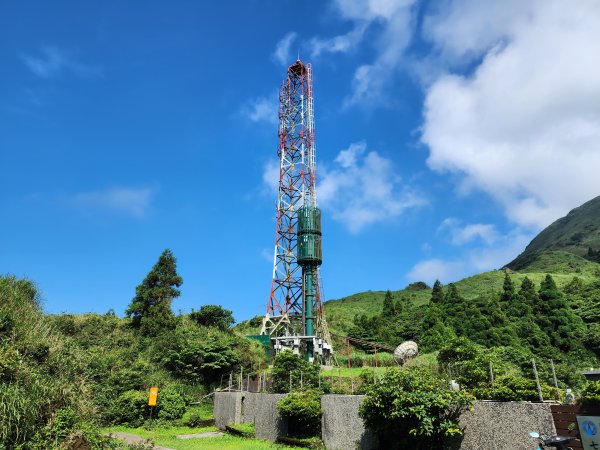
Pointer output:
x,y
448,134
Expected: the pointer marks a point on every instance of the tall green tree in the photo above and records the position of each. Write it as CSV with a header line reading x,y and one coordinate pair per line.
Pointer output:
x,y
554,317
508,291
437,293
389,309
150,309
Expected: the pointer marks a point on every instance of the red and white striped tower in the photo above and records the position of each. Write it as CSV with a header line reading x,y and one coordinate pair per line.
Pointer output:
x,y
294,317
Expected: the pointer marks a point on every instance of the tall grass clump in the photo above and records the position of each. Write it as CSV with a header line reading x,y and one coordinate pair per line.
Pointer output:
x,y
39,369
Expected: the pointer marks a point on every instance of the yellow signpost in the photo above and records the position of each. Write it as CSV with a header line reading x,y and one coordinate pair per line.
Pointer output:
x,y
153,396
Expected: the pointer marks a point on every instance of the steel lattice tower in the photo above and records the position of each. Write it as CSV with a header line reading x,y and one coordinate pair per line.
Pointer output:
x,y
294,317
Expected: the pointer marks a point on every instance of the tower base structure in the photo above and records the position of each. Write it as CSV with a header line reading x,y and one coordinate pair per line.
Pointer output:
x,y
282,338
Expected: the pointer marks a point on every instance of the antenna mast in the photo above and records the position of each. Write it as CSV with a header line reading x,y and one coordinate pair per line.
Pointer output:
x,y
294,319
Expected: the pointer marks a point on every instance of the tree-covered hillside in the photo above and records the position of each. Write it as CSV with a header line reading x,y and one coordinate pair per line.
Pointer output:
x,y
549,310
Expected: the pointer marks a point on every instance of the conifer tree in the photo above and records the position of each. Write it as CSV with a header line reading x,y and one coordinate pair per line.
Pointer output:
x,y
389,309
508,290
437,293
561,324
528,293
150,309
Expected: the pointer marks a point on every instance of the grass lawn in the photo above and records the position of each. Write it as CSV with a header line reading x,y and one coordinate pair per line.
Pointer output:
x,y
166,437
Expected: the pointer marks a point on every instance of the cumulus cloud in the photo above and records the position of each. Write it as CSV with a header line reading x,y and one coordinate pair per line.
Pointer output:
x,y
131,201
53,61
391,21
463,234
524,124
484,257
436,269
283,49
361,188
262,109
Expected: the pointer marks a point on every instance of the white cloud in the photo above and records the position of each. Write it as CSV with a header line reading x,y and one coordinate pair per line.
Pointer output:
x,y
436,269
392,24
463,234
358,189
462,29
283,49
524,126
53,61
338,44
270,176
472,261
130,201
361,189
262,109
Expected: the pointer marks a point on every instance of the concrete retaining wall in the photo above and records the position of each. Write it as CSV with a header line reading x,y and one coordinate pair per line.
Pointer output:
x,y
268,424
227,408
491,425
505,425
341,428
248,407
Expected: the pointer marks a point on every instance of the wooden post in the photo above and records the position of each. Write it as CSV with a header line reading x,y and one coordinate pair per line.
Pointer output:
x,y
340,380
555,380
319,379
230,381
351,382
248,382
375,355
537,380
301,380
348,350
290,381
259,385
491,375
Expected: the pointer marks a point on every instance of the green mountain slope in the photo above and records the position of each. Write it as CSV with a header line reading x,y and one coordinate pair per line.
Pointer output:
x,y
562,250
577,233
340,313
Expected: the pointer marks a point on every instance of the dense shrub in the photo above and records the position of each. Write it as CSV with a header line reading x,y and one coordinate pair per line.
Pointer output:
x,y
171,404
200,354
129,408
413,409
514,388
590,396
213,316
303,412
290,370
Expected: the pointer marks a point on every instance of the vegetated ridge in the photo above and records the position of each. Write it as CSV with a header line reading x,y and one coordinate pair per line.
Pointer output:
x,y
577,233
